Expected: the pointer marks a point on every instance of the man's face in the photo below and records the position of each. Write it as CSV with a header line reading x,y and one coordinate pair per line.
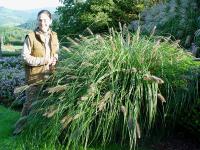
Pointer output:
x,y
44,22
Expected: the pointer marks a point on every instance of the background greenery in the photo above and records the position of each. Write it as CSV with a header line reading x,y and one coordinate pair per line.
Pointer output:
x,y
10,17
13,35
98,15
178,19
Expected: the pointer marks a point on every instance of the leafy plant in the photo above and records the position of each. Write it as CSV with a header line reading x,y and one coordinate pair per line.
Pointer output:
x,y
11,76
191,120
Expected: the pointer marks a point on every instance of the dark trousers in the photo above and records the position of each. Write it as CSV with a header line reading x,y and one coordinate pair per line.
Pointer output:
x,y
31,96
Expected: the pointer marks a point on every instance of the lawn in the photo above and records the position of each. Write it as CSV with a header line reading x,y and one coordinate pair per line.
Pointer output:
x,y
7,121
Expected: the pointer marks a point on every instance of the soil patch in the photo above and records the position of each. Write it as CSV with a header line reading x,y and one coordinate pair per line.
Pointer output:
x,y
179,141
7,103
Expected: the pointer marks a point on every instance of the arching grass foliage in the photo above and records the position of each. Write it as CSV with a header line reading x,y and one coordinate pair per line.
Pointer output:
x,y
107,88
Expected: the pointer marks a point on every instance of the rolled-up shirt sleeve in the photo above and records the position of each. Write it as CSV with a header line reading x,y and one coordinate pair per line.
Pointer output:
x,y
28,58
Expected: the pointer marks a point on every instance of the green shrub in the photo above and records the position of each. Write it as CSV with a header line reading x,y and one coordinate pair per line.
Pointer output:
x,y
106,90
191,120
11,53
12,75
76,16
17,42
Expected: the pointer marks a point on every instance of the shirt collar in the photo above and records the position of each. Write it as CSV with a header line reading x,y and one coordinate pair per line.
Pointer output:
x,y
42,36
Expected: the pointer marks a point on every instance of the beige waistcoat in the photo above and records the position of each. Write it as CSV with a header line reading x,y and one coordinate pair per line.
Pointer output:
x,y
35,74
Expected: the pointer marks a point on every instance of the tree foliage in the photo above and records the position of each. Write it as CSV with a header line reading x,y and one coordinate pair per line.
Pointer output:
x,y
76,15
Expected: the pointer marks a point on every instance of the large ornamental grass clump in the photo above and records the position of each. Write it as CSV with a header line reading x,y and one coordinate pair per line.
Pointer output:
x,y
106,89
